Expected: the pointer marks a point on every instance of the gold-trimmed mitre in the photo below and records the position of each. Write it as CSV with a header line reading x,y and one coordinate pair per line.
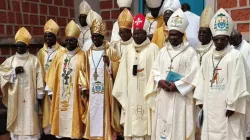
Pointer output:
x,y
206,17
23,35
51,26
98,27
125,19
72,30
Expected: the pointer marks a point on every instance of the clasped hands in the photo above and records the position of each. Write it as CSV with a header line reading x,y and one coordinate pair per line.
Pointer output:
x,y
167,86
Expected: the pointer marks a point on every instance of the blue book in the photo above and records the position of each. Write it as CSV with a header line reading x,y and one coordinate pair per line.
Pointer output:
x,y
173,76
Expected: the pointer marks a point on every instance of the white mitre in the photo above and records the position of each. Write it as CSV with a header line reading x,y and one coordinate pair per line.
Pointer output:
x,y
221,23
178,21
171,5
84,8
153,3
206,16
124,3
92,16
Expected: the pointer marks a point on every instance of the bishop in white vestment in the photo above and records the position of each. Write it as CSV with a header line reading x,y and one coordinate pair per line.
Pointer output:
x,y
204,46
223,85
115,30
205,34
22,85
125,21
175,66
84,9
130,84
241,45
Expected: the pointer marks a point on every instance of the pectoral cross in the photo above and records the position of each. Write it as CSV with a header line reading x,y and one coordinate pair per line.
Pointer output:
x,y
170,67
24,101
95,75
215,76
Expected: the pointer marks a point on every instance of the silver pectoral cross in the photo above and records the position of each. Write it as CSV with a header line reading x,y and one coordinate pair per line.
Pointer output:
x,y
95,75
171,67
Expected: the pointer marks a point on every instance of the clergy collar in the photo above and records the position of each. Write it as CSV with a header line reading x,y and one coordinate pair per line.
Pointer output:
x,y
181,46
147,41
84,28
23,56
204,48
126,42
105,44
75,51
219,54
54,47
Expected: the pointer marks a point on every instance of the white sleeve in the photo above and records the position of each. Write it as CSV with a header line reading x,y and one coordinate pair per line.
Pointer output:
x,y
183,87
248,60
13,77
48,90
40,94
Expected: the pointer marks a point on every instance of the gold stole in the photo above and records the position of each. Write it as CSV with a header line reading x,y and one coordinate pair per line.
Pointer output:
x,y
46,100
53,81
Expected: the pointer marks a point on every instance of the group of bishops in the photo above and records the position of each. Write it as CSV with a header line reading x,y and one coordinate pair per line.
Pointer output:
x,y
152,81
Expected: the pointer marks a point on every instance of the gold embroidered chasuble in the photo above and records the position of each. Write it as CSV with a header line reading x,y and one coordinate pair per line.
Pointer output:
x,y
46,58
67,107
112,114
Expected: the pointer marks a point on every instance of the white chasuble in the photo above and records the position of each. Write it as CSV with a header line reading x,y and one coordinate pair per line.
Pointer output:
x,y
120,46
223,84
96,93
244,48
173,111
21,94
67,94
129,89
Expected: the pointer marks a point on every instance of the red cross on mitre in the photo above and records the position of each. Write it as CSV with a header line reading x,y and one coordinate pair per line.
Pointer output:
x,y
139,21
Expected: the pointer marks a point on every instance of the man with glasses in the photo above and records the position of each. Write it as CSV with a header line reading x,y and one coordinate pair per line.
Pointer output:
x,y
63,85
222,89
131,80
85,35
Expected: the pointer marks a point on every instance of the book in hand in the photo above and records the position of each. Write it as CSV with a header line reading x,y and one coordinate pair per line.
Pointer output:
x,y
173,76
